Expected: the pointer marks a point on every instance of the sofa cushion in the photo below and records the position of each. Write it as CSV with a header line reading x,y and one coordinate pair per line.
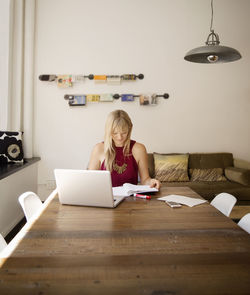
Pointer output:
x,y
171,167
210,160
213,174
239,175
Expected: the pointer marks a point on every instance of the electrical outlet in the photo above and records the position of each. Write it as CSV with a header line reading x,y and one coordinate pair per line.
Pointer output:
x,y
51,184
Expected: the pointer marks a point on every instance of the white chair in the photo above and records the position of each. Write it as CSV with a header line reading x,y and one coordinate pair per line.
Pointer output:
x,y
3,243
244,223
224,202
30,203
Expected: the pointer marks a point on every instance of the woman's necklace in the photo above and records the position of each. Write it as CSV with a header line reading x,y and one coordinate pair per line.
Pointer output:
x,y
120,169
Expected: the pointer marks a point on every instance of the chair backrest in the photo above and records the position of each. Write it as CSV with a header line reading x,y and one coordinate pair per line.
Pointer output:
x,y
30,203
3,243
224,202
244,223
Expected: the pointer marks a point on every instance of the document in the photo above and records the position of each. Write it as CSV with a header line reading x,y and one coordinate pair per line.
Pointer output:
x,y
128,189
183,200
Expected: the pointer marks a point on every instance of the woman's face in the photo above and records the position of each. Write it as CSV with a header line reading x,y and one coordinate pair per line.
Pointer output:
x,y
119,136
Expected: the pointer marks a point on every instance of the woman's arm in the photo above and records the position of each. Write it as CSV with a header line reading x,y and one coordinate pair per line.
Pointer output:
x,y
140,154
96,157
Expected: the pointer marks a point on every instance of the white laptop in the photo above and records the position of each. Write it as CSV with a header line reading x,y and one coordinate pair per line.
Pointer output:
x,y
85,188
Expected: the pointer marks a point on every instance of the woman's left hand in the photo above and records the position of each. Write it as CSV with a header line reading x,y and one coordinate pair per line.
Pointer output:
x,y
155,183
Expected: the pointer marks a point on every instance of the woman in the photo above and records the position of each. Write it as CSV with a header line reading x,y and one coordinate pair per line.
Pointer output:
x,y
121,155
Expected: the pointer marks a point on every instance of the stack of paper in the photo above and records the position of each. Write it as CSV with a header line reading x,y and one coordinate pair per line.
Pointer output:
x,y
183,200
129,189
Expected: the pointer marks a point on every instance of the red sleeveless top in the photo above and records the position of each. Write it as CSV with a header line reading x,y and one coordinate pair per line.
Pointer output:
x,y
125,168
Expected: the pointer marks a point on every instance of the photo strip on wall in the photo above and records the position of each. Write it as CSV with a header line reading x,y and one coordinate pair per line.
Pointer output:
x,y
66,81
83,99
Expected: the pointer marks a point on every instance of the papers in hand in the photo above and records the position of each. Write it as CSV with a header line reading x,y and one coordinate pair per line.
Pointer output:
x,y
183,200
128,189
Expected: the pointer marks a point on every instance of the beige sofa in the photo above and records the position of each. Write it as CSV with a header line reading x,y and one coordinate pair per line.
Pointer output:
x,y
236,175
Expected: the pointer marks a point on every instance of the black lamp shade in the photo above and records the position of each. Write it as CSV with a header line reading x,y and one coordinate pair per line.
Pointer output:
x,y
212,54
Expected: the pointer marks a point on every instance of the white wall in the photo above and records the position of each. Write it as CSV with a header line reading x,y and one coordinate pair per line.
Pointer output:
x,y
209,105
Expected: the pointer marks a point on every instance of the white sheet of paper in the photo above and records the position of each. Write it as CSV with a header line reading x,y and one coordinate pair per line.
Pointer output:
x,y
183,200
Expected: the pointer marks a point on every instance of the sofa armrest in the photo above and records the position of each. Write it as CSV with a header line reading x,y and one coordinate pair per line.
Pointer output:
x,y
151,165
239,175
241,164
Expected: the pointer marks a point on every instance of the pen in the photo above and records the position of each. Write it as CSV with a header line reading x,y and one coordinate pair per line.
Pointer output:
x,y
142,196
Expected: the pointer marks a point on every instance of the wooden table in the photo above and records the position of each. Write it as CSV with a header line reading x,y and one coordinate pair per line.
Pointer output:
x,y
141,247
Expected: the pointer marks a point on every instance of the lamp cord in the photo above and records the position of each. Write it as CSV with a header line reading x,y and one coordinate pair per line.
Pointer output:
x,y
212,16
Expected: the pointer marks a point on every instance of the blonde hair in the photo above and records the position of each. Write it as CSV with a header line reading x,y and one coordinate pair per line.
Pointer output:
x,y
118,119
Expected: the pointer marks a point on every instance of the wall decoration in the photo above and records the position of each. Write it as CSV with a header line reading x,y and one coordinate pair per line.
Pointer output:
x,y
65,81
106,97
100,78
93,97
77,100
144,99
127,97
155,96
82,99
114,80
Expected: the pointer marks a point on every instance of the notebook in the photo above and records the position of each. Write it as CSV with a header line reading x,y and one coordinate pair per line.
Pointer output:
x,y
86,188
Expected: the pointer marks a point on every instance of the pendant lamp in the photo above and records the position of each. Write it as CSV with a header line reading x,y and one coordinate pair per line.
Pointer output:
x,y
212,52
